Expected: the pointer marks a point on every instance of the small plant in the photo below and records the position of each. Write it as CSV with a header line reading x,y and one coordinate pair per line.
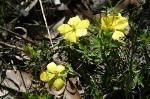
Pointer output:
x,y
108,56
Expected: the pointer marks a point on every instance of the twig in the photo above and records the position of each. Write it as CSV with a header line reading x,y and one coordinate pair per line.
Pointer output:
x,y
12,46
31,6
45,22
26,39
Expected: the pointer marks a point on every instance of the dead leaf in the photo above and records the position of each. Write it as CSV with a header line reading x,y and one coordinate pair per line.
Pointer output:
x,y
17,80
71,91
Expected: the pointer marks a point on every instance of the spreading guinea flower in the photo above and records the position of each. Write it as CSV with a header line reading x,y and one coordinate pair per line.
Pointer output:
x,y
53,75
117,24
74,29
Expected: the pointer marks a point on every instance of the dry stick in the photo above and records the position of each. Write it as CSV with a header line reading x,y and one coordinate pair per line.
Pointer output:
x,y
12,46
31,5
9,31
46,22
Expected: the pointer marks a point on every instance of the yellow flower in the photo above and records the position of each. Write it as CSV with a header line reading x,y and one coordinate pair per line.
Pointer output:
x,y
53,71
116,24
74,29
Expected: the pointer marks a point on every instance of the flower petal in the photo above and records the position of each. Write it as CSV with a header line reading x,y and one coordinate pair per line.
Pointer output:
x,y
58,84
50,75
120,23
64,28
51,67
60,68
71,37
44,77
83,24
74,21
81,32
117,35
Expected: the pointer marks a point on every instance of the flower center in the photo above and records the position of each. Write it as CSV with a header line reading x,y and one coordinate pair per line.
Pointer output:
x,y
56,73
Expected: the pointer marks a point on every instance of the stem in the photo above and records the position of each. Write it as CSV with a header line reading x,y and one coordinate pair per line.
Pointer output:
x,y
132,51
